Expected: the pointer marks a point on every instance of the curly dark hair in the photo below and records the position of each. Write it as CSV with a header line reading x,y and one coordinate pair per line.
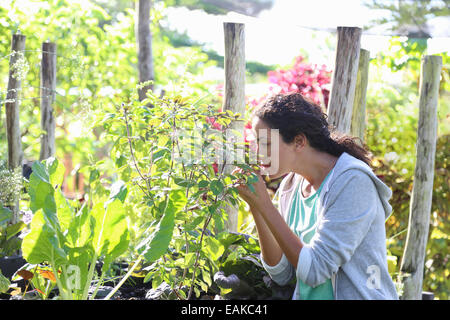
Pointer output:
x,y
293,114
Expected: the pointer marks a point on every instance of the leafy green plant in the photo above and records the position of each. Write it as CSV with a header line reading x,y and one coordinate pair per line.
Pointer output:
x,y
9,243
10,184
181,196
71,238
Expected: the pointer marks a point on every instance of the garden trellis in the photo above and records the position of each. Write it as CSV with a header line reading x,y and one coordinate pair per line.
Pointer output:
x,y
346,111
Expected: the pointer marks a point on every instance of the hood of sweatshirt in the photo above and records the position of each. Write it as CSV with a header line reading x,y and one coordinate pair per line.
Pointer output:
x,y
344,163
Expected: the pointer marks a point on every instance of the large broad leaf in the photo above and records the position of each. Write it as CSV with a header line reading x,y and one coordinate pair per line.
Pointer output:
x,y
55,170
5,215
47,175
41,244
81,229
111,235
156,244
42,192
65,212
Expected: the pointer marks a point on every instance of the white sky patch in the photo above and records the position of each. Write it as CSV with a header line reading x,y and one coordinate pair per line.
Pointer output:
x,y
278,35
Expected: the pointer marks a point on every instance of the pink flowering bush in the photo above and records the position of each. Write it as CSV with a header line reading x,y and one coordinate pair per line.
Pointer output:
x,y
309,79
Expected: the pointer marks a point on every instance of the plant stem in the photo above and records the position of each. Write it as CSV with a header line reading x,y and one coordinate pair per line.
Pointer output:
x,y
198,251
185,235
134,158
123,279
100,282
62,291
89,277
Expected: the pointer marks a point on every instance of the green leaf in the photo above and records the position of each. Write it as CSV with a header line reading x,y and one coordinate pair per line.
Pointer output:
x,y
252,178
160,154
94,175
182,182
157,243
40,244
40,189
121,161
56,171
42,197
4,283
203,184
111,229
14,229
189,259
40,171
206,277
213,208
118,191
194,223
64,210
81,228
214,248
216,186
5,215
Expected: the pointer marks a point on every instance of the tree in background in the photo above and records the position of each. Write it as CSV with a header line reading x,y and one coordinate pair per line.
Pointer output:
x,y
409,18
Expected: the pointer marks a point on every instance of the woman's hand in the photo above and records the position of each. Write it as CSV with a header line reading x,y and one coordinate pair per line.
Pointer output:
x,y
261,197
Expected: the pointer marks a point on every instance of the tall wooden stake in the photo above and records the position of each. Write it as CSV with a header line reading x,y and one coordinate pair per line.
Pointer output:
x,y
340,105
358,124
48,86
234,99
15,153
412,265
144,44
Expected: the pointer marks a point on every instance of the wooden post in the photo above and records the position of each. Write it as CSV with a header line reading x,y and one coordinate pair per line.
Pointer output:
x,y
15,153
412,265
144,44
234,98
340,105
48,86
358,124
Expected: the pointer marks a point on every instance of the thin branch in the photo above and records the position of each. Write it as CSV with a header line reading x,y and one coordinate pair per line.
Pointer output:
x,y
132,155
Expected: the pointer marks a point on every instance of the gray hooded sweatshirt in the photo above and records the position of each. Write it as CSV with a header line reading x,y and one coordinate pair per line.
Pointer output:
x,y
349,246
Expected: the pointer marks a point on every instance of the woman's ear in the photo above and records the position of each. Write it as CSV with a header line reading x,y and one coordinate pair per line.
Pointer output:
x,y
300,142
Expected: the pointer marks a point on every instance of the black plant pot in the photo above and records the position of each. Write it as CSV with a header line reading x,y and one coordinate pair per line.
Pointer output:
x,y
427,295
9,265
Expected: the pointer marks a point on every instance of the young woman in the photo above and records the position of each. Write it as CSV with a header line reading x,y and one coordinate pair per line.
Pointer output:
x,y
326,225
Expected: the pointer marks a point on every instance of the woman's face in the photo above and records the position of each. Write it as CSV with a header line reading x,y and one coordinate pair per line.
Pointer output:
x,y
274,155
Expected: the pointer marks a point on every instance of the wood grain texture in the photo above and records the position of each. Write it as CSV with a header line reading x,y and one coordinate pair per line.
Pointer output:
x,y
12,110
12,106
420,206
48,87
342,94
144,45
234,98
358,124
